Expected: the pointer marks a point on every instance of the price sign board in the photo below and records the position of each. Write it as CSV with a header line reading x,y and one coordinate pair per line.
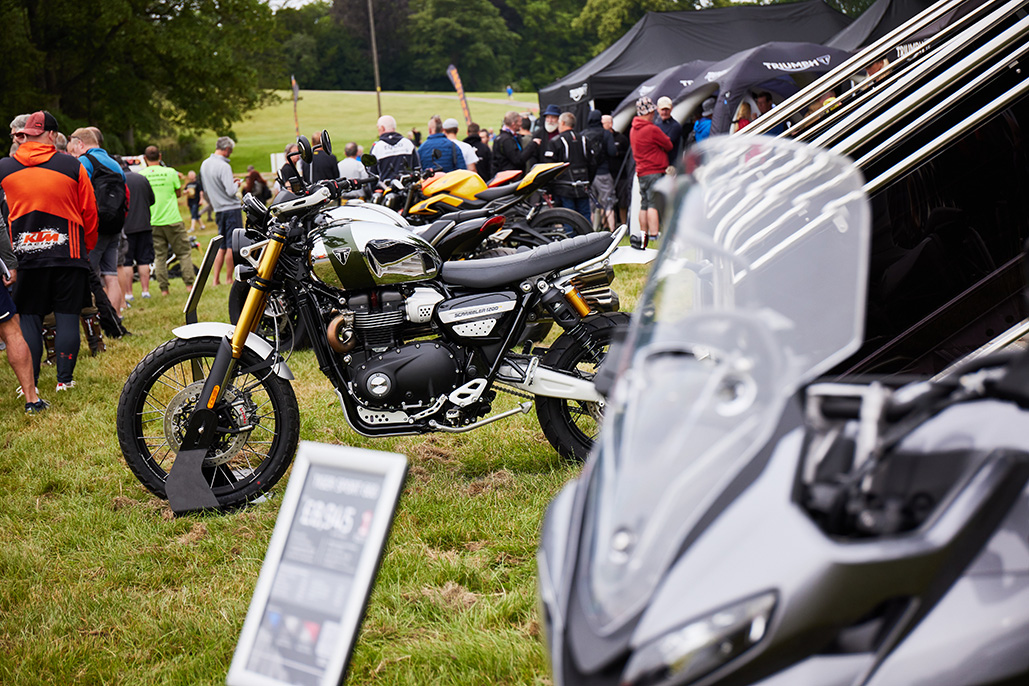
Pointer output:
x,y
319,568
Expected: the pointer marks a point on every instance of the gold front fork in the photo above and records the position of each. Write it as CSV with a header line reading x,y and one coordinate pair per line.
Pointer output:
x,y
253,309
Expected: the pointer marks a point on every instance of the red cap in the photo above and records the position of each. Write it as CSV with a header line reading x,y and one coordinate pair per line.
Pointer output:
x,y
37,123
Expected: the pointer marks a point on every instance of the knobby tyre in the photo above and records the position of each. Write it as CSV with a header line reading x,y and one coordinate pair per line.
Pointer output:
x,y
258,420
572,425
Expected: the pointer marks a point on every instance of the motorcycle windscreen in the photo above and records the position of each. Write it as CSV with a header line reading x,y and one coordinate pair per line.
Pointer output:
x,y
759,287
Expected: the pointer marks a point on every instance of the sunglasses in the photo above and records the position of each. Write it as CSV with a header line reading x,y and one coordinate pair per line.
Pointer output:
x,y
16,136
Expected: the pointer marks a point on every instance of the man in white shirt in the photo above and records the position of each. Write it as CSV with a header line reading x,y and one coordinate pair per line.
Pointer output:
x,y
351,168
470,156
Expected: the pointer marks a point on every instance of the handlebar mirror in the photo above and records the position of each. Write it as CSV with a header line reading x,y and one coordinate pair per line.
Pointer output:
x,y
326,143
306,153
369,160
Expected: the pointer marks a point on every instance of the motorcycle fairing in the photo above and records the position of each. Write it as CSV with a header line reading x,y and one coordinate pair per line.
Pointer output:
x,y
719,346
463,183
441,204
541,174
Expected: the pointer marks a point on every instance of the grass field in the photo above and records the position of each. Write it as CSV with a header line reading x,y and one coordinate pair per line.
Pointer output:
x,y
101,585
351,116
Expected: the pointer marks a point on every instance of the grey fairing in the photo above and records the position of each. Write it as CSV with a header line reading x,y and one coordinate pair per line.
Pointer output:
x,y
764,541
254,343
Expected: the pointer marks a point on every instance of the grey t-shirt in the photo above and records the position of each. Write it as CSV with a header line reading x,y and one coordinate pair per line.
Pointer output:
x,y
219,184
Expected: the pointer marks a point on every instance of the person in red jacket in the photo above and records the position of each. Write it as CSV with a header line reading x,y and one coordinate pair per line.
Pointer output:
x,y
650,147
53,226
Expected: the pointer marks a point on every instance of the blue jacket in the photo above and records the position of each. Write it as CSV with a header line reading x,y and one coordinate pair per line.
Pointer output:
x,y
450,159
701,129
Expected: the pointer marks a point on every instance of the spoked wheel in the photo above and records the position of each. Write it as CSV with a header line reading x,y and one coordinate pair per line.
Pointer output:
x,y
572,425
280,325
258,420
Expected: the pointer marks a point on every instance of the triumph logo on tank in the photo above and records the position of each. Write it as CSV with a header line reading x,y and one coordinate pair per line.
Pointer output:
x,y
579,93
38,241
802,65
342,254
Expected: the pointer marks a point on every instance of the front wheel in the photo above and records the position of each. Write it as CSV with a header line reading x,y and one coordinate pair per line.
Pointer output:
x,y
258,421
572,425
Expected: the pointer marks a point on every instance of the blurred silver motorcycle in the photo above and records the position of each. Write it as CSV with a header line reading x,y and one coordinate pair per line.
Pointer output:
x,y
742,520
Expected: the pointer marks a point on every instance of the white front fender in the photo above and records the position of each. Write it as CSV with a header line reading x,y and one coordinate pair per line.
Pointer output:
x,y
254,343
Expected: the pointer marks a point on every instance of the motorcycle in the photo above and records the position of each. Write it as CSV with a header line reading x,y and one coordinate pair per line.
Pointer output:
x,y
411,344
426,196
744,521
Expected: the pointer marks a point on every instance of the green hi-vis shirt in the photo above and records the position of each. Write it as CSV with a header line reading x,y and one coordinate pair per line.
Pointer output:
x,y
164,181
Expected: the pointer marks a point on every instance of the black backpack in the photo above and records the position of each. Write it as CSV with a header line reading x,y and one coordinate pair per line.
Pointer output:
x,y
111,198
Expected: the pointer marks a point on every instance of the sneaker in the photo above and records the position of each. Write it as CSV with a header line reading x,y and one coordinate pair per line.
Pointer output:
x,y
19,393
145,295
129,297
65,386
36,407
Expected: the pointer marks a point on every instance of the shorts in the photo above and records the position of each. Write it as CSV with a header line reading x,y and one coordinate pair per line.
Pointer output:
x,y
194,211
104,255
227,221
140,249
647,190
604,191
43,290
7,308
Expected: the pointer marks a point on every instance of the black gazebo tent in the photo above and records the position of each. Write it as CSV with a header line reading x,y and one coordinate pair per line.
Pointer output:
x,y
665,39
886,15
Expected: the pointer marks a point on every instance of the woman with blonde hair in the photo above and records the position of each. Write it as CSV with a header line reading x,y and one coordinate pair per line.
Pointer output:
x,y
743,116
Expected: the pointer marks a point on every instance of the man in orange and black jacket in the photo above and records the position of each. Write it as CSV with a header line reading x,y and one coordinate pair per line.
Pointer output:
x,y
53,226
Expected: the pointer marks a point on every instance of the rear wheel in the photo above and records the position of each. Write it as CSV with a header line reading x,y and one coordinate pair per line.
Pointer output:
x,y
572,425
258,421
560,223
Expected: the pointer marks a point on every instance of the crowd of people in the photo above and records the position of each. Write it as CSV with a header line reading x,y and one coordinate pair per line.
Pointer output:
x,y
78,225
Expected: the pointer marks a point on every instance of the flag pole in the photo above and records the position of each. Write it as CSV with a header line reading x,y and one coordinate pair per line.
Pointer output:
x,y
375,58
296,96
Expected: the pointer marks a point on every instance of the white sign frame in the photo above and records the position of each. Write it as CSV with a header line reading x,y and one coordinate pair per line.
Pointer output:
x,y
392,468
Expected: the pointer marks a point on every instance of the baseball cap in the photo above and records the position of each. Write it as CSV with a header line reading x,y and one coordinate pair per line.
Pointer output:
x,y
664,102
37,123
644,106
450,123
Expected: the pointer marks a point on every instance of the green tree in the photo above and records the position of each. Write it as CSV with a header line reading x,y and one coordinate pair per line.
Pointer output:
x,y
392,39
319,50
135,67
548,49
469,34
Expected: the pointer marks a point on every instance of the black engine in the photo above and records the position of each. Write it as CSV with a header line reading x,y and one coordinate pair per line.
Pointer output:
x,y
411,375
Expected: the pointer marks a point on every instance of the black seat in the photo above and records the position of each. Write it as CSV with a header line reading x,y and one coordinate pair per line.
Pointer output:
x,y
464,215
498,271
434,229
497,192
